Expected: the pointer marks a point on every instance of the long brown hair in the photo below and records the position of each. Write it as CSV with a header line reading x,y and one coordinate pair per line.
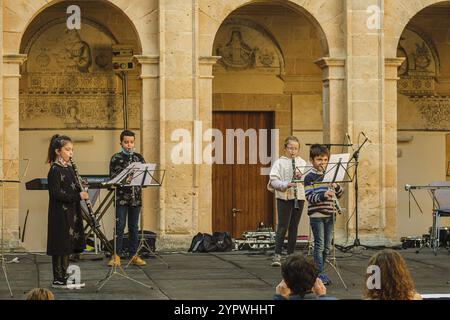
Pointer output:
x,y
395,279
40,294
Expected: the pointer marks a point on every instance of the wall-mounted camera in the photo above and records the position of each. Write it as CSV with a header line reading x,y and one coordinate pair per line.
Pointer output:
x,y
122,58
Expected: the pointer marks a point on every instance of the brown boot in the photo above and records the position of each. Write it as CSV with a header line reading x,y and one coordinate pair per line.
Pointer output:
x,y
115,261
137,261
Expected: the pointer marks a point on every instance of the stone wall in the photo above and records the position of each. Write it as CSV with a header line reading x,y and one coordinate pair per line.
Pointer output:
x,y
352,87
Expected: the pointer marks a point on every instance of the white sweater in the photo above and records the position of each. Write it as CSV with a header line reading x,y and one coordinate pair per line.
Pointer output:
x,y
281,174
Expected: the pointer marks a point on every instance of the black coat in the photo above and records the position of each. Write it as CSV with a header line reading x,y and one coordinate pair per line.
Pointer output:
x,y
65,224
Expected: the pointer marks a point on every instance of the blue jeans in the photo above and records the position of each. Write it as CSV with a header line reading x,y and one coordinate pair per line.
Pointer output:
x,y
322,229
133,220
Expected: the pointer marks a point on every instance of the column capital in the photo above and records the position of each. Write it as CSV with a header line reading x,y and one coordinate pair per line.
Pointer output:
x,y
206,64
332,68
394,62
391,67
150,66
17,58
209,60
147,59
327,62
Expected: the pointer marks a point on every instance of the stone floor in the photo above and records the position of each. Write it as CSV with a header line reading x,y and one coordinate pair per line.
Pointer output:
x,y
225,276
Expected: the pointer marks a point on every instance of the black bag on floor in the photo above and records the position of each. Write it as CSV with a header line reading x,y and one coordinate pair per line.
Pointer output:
x,y
223,241
204,242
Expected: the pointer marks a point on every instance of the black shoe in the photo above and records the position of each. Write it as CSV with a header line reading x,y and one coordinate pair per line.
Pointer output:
x,y
60,284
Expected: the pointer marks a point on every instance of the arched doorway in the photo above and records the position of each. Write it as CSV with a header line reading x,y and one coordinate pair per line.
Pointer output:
x,y
266,79
423,113
68,86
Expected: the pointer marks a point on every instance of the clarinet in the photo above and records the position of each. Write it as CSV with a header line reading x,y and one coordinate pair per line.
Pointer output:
x,y
133,195
90,218
296,205
337,205
87,201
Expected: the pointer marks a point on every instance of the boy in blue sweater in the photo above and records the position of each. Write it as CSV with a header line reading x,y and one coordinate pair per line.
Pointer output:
x,y
321,208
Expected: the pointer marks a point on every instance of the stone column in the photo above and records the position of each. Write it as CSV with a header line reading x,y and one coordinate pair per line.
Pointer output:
x,y
10,147
336,122
390,145
333,99
150,134
368,113
205,116
178,65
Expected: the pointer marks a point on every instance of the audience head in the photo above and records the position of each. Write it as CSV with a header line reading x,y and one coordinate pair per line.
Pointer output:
x,y
40,294
395,279
299,274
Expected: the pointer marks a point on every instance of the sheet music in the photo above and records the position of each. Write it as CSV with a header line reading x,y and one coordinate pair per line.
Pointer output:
x,y
134,173
334,165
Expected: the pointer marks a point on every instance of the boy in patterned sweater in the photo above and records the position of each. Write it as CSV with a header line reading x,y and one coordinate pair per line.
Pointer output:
x,y
321,208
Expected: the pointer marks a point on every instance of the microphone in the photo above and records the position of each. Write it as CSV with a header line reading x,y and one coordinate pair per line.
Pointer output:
x,y
366,137
407,187
349,140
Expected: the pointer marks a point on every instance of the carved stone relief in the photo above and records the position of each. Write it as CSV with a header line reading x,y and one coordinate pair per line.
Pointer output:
x,y
246,47
419,70
68,81
434,111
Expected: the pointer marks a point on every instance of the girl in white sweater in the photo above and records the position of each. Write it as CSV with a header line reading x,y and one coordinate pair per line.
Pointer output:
x,y
290,196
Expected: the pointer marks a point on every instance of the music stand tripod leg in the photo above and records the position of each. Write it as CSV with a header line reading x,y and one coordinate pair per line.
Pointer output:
x,y
2,256
143,244
113,269
335,266
5,273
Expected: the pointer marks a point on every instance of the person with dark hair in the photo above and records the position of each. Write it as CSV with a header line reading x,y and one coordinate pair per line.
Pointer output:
x,y
299,280
395,281
128,200
290,195
65,225
321,206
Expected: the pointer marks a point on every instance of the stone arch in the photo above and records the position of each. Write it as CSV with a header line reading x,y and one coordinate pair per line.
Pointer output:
x,y
324,15
397,16
97,105
18,15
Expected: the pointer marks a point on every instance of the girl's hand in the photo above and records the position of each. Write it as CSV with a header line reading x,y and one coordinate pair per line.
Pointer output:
x,y
84,195
292,184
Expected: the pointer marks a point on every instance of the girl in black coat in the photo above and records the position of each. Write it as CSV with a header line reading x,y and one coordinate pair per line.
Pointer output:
x,y
65,224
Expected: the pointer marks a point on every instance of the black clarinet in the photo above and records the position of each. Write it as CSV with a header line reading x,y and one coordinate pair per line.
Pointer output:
x,y
130,179
296,205
90,218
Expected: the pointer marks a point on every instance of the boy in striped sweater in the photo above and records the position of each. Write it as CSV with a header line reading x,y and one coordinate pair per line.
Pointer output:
x,y
320,206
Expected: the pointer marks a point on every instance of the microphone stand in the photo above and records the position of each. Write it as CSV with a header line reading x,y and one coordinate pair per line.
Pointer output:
x,y
355,156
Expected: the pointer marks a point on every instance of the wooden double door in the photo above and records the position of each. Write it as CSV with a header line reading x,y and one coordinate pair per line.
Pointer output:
x,y
240,196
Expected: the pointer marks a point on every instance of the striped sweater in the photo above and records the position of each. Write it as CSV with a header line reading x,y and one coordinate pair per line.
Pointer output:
x,y
318,205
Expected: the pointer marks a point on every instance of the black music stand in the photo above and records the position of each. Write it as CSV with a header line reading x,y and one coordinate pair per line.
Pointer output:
x,y
125,178
355,159
8,177
143,175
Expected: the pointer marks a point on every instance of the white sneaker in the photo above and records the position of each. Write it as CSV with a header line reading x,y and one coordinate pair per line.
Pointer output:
x,y
276,262
75,285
